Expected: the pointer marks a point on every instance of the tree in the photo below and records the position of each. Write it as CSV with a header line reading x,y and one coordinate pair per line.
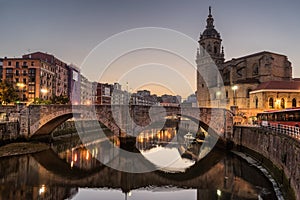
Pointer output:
x,y
8,93
60,99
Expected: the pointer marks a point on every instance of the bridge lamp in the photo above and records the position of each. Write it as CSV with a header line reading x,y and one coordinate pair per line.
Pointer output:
x,y
218,94
44,91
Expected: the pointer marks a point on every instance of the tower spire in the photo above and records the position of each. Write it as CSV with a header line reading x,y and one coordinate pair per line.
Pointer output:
x,y
210,19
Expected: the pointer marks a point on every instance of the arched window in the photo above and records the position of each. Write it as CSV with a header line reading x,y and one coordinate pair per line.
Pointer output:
x,y
294,102
248,93
282,103
255,69
215,49
271,103
209,48
256,102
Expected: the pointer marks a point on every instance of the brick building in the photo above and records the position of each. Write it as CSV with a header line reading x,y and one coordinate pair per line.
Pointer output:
x,y
60,86
33,78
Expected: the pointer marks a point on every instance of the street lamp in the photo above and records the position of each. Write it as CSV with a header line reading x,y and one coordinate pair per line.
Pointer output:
x,y
218,94
44,91
234,88
20,86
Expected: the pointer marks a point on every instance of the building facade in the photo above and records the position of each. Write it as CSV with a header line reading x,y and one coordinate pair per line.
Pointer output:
x,y
276,95
33,78
61,72
223,83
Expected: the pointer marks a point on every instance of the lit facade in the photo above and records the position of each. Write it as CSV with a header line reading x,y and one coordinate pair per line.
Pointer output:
x,y
33,78
226,84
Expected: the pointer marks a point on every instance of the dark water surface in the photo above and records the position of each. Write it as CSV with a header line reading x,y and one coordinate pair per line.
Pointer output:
x,y
70,170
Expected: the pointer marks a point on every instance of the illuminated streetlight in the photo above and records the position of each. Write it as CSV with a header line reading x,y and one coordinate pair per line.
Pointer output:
x,y
42,189
234,88
44,91
218,94
21,86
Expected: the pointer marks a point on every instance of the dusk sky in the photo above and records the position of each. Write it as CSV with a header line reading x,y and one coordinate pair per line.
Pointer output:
x,y
71,29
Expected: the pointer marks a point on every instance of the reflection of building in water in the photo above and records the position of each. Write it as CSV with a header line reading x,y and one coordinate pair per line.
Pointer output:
x,y
35,193
81,158
153,137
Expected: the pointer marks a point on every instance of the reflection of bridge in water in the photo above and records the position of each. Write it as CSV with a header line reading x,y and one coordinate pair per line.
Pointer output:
x,y
212,173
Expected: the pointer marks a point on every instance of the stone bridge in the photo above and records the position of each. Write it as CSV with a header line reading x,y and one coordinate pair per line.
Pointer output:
x,y
120,119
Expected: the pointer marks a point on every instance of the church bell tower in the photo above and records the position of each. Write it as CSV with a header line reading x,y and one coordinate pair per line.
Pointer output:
x,y
210,59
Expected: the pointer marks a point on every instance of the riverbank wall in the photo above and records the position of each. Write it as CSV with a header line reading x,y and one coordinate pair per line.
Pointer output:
x,y
279,153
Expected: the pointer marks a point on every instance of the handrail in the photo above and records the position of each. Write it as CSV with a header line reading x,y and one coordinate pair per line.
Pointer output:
x,y
291,131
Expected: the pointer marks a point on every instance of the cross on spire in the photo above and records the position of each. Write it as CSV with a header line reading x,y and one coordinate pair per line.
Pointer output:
x,y
209,9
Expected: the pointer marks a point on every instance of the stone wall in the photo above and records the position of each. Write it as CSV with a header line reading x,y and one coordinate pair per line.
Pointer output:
x,y
280,154
9,131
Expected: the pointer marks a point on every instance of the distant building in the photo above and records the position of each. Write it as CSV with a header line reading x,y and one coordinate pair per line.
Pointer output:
x,y
103,94
240,76
191,101
86,91
74,82
169,100
143,97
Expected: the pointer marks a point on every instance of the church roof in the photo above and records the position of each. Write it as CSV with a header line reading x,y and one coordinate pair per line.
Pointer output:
x,y
279,85
210,31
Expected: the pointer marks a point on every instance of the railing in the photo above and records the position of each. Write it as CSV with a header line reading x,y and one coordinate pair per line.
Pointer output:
x,y
291,131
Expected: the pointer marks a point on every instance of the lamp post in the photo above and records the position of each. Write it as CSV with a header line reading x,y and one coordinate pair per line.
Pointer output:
x,y
218,93
234,88
44,91
20,86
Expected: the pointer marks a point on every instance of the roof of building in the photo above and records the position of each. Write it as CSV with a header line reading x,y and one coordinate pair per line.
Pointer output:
x,y
279,85
255,54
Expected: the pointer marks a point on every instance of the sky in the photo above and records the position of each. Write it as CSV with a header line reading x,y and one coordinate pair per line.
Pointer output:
x,y
72,30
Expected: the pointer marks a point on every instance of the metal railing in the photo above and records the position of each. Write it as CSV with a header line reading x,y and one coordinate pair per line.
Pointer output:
x,y
291,131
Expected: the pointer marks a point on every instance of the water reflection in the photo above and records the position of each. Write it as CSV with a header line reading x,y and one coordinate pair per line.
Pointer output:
x,y
219,176
71,171
162,148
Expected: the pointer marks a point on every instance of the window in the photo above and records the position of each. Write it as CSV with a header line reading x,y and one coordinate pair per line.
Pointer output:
x,y
17,64
256,102
294,103
17,73
24,80
24,63
282,103
271,103
226,94
255,69
32,63
209,48
9,63
248,93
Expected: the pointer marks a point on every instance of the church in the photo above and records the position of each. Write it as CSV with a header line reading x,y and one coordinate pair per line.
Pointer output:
x,y
251,83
